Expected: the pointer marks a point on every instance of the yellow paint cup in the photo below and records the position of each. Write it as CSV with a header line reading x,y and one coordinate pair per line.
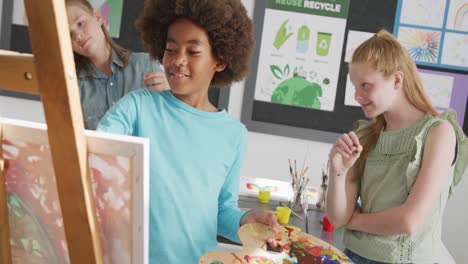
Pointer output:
x,y
283,214
264,196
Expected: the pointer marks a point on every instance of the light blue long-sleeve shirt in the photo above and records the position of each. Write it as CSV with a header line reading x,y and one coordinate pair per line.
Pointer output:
x,y
195,161
98,92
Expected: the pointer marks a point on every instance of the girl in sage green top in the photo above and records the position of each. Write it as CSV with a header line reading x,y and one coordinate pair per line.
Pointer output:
x,y
403,164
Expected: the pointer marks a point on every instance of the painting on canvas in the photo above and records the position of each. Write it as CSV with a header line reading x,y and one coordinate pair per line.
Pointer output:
x,y
118,167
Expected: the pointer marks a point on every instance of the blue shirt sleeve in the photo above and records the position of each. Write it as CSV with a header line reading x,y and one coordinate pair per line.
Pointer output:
x,y
229,214
121,118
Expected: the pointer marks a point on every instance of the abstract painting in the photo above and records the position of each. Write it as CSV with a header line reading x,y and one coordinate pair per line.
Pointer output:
x,y
118,167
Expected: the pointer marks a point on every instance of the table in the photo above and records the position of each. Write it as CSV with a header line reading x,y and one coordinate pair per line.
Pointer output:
x,y
310,223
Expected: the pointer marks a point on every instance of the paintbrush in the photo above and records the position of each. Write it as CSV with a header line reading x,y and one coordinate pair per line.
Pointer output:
x,y
291,172
304,172
304,162
295,169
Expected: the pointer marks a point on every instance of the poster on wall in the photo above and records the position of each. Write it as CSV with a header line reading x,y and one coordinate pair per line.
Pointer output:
x,y
300,53
435,32
297,84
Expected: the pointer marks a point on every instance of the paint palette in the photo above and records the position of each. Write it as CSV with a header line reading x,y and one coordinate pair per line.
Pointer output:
x,y
295,246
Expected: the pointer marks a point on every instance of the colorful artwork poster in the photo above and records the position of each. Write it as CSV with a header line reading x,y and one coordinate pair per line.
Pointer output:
x,y
423,12
447,90
300,53
36,224
455,50
423,45
434,32
111,11
458,15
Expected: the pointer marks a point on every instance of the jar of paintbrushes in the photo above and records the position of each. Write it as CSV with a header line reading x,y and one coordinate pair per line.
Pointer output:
x,y
299,181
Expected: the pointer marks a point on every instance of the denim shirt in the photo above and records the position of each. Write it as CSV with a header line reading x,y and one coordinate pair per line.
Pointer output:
x,y
99,92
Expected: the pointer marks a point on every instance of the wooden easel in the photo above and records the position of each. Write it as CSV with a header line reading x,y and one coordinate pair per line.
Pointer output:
x,y
50,72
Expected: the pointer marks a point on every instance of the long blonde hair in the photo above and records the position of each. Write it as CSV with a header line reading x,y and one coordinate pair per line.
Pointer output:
x,y
386,55
81,61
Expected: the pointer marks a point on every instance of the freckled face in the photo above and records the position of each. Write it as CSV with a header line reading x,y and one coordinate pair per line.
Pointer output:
x,y
373,91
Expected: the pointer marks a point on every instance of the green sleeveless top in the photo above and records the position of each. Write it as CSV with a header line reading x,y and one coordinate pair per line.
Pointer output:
x,y
390,172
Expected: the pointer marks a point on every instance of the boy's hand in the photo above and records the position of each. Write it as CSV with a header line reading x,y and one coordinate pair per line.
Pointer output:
x,y
264,217
156,81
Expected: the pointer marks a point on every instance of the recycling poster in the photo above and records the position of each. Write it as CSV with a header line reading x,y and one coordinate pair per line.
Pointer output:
x,y
300,52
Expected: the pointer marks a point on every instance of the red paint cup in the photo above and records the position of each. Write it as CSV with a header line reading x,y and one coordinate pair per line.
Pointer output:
x,y
327,226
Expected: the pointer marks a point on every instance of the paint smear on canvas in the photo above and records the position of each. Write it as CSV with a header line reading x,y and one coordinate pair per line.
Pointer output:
x,y
35,218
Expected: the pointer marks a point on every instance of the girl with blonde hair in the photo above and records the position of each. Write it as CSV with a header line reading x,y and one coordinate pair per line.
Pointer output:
x,y
106,72
403,164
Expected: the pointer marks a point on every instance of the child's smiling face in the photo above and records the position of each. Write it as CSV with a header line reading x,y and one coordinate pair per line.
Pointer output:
x,y
188,59
373,91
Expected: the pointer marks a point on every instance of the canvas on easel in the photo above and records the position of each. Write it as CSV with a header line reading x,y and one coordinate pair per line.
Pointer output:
x,y
118,167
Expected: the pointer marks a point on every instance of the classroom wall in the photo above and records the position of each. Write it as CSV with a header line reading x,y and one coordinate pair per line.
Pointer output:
x,y
267,156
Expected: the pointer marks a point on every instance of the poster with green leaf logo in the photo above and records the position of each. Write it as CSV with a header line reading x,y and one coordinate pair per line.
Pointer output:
x,y
300,53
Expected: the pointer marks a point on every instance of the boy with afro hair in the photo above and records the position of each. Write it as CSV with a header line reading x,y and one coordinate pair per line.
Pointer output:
x,y
196,150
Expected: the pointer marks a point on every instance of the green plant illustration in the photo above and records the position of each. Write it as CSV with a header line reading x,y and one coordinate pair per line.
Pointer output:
x,y
282,35
278,73
296,91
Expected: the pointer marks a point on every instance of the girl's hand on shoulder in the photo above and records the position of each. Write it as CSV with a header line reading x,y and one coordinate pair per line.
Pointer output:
x,y
156,81
345,152
263,217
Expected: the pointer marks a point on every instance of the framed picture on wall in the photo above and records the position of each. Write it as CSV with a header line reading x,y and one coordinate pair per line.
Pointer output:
x,y
435,33
15,36
297,86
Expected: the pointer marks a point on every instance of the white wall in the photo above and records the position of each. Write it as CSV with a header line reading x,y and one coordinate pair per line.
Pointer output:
x,y
267,156
21,109
455,225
